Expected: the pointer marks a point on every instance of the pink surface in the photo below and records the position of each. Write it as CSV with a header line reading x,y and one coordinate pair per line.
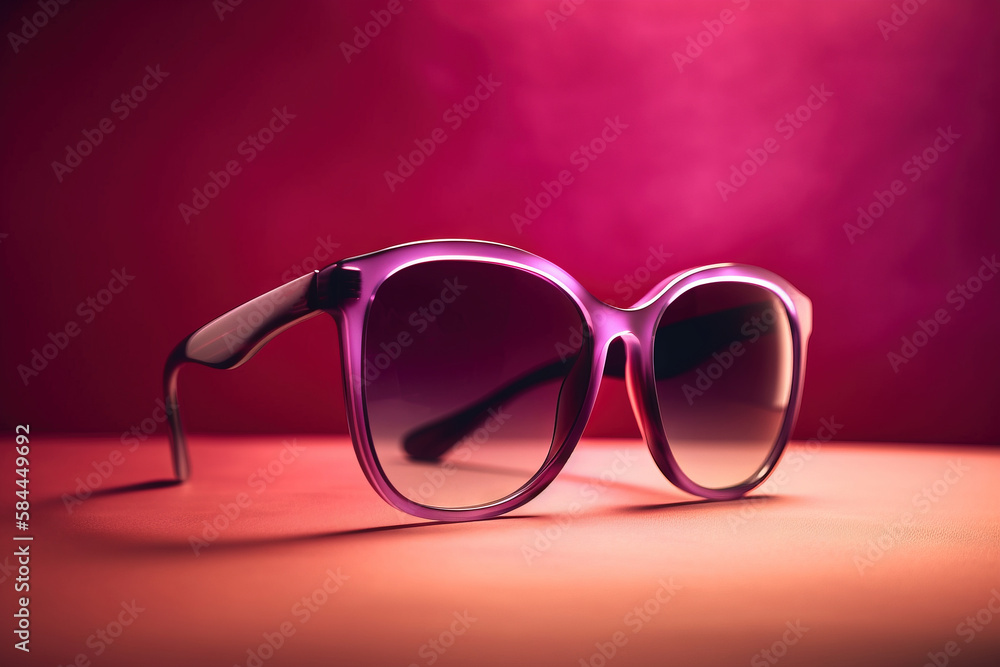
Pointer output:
x,y
862,555
318,191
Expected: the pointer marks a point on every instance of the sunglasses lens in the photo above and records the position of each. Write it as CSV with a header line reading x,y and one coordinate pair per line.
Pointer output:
x,y
723,364
464,363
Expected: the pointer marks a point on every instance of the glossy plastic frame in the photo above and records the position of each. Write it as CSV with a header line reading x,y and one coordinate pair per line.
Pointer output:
x,y
346,289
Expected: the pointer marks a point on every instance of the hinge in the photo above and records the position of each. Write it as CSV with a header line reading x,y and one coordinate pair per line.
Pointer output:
x,y
334,285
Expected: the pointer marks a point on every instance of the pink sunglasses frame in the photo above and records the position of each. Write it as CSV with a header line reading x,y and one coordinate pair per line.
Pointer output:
x,y
345,290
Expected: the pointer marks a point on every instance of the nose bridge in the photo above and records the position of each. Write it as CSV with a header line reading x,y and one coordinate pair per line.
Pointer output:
x,y
612,323
618,336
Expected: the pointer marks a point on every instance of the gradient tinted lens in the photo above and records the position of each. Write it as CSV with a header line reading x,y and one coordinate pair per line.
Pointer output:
x,y
723,364
464,365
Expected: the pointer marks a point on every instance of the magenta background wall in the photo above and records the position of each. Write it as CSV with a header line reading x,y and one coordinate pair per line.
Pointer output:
x,y
885,93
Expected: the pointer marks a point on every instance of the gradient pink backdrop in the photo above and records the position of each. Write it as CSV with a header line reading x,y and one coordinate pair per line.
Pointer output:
x,y
323,178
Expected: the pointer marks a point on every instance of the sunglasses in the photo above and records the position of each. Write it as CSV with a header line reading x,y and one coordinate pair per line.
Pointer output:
x,y
471,369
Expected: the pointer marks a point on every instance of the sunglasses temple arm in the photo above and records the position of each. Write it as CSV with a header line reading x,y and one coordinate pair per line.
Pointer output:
x,y
230,341
433,440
